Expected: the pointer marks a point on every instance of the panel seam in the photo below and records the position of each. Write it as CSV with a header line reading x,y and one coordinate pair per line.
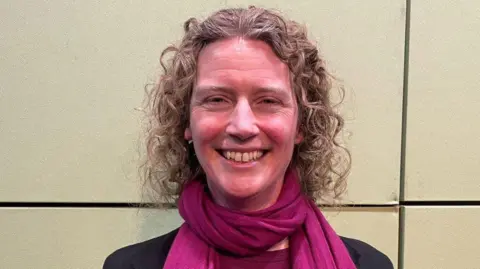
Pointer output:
x,y
401,215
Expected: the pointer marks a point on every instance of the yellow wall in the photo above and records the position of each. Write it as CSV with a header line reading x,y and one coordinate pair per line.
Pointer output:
x,y
72,74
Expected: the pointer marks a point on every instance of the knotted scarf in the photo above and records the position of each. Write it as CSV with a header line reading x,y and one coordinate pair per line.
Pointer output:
x,y
313,244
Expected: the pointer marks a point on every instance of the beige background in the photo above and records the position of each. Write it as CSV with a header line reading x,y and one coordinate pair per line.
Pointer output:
x,y
444,100
446,237
72,75
82,238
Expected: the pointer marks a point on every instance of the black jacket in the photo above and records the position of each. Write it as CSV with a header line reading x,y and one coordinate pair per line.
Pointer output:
x,y
152,254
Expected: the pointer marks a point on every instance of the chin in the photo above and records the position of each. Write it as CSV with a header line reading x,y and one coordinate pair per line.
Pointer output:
x,y
243,187
246,192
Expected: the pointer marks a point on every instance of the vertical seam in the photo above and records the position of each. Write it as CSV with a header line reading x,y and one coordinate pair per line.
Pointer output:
x,y
401,217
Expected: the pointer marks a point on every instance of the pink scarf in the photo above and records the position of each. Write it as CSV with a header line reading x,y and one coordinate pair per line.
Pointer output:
x,y
313,243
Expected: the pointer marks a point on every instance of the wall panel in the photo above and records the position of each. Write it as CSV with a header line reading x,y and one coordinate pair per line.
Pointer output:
x,y
443,101
47,238
375,226
441,237
73,74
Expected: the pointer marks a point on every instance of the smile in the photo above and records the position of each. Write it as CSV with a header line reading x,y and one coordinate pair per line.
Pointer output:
x,y
242,156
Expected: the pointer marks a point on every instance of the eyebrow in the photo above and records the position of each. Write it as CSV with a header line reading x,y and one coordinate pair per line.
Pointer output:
x,y
280,91
276,90
203,89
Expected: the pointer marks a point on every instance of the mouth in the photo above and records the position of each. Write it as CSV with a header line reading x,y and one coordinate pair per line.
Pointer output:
x,y
242,157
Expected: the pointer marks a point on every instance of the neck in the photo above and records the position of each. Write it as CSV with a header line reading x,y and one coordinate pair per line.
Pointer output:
x,y
252,203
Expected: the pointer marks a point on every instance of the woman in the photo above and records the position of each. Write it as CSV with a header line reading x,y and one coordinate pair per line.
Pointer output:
x,y
243,132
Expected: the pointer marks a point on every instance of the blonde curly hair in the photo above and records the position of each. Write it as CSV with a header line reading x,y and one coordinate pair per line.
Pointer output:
x,y
322,162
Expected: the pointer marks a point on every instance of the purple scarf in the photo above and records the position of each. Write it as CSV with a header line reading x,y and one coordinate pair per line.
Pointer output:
x,y
312,241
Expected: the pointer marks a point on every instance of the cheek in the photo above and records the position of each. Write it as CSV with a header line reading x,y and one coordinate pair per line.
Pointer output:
x,y
282,130
204,128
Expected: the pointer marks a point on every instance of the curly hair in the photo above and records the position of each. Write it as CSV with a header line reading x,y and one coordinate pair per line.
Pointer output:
x,y
321,161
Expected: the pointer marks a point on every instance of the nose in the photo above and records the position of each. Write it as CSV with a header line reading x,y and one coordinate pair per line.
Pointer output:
x,y
242,124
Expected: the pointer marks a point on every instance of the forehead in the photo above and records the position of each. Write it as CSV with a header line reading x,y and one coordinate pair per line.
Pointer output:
x,y
239,62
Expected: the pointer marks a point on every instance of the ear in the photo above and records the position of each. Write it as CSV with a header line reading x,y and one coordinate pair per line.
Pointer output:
x,y
298,137
187,134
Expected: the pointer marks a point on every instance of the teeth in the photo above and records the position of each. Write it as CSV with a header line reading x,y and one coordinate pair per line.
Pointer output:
x,y
242,157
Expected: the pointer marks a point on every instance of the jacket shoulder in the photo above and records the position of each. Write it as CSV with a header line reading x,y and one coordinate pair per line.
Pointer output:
x,y
365,256
148,254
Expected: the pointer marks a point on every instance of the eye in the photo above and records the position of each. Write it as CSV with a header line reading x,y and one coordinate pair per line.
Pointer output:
x,y
269,101
216,100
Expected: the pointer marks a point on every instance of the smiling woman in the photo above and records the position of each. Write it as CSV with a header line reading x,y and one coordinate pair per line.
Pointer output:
x,y
242,131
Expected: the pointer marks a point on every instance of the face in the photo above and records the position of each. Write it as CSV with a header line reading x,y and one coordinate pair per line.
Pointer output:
x,y
243,122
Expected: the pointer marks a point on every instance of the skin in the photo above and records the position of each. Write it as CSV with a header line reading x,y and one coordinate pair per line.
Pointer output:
x,y
243,101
